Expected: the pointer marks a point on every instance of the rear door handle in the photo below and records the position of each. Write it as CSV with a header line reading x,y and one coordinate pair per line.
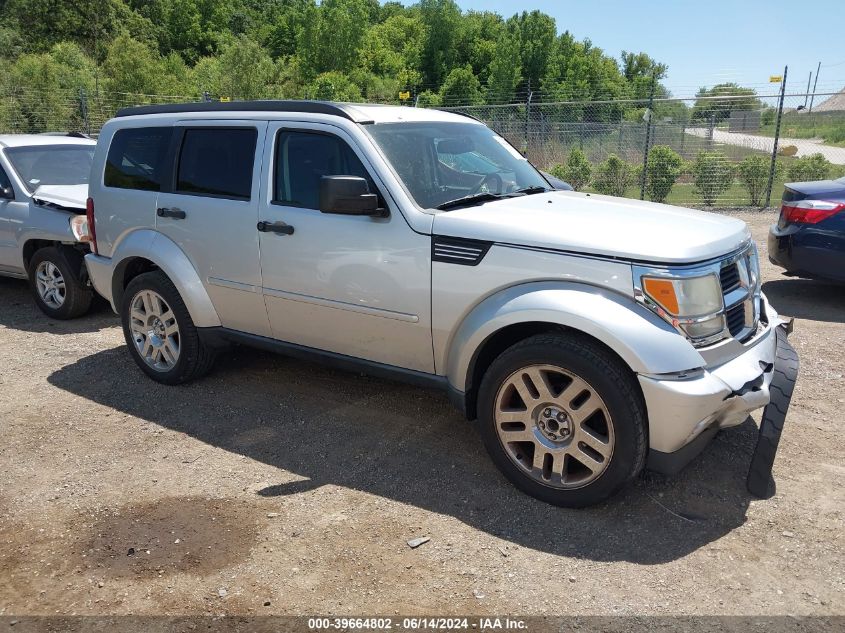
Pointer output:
x,y
172,212
280,228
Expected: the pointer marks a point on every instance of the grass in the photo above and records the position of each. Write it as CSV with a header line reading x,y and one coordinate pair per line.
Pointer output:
x,y
829,126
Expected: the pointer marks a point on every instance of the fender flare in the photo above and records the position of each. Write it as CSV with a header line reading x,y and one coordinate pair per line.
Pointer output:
x,y
172,260
646,343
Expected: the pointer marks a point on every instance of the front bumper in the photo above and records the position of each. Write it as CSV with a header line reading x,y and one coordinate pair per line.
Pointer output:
x,y
686,412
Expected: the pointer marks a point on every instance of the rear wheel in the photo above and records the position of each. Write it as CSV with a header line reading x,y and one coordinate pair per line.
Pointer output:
x,y
54,276
563,419
160,333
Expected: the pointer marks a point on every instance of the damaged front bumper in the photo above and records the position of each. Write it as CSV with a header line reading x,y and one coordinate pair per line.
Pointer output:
x,y
686,411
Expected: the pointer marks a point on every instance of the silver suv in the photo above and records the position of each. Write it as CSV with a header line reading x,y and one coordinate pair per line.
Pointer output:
x,y
588,335
43,187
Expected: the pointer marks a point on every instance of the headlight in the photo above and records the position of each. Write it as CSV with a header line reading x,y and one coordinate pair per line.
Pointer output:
x,y
693,304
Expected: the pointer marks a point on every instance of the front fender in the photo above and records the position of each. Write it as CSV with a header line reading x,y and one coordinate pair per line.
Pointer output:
x,y
644,341
43,223
164,253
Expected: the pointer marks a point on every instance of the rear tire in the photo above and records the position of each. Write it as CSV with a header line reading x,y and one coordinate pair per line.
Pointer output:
x,y
563,419
54,276
159,331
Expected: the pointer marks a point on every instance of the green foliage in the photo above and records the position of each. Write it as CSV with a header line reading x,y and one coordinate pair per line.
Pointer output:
x,y
333,86
753,173
461,87
614,176
664,167
712,175
429,99
707,108
806,168
576,171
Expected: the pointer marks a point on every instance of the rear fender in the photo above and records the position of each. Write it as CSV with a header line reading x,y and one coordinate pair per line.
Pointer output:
x,y
644,341
166,255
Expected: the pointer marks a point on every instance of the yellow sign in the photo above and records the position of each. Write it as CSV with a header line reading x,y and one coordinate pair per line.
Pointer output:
x,y
405,95
775,79
225,99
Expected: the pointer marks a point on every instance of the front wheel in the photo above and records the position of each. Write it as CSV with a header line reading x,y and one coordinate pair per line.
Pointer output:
x,y
54,275
563,419
159,331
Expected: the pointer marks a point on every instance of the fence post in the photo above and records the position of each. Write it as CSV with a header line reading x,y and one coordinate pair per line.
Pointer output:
x,y
773,166
83,111
710,131
527,117
650,115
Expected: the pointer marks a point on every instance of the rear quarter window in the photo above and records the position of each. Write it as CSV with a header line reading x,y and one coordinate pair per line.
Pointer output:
x,y
136,158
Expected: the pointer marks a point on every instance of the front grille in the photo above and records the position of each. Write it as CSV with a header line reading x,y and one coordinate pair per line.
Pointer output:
x,y
735,318
729,278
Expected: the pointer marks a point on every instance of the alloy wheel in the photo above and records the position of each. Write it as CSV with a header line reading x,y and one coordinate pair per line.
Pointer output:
x,y
554,426
155,331
50,285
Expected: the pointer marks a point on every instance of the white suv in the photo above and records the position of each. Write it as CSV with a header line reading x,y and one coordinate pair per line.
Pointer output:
x,y
588,334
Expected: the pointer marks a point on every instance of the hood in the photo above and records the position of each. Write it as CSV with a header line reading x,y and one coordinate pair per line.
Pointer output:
x,y
598,225
68,196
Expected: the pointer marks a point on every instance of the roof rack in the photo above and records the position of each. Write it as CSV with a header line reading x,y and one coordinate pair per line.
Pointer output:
x,y
311,107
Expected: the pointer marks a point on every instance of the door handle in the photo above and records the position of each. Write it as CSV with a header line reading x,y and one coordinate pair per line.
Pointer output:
x,y
173,212
280,228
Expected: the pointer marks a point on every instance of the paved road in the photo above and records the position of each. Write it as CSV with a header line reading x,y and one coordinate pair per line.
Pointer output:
x,y
835,155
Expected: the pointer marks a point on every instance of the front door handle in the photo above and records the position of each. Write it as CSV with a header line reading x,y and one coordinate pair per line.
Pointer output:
x,y
172,212
280,228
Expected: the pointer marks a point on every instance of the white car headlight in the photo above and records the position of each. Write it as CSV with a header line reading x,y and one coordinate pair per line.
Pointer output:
x,y
694,304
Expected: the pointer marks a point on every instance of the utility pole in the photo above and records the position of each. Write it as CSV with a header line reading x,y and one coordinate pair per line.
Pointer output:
x,y
815,83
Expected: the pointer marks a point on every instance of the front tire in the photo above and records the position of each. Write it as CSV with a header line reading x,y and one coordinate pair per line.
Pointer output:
x,y
54,276
159,331
563,419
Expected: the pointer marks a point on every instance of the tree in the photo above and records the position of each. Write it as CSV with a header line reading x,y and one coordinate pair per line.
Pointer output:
x,y
536,39
461,88
614,176
331,36
333,86
246,70
664,167
712,175
718,102
132,67
504,75
442,21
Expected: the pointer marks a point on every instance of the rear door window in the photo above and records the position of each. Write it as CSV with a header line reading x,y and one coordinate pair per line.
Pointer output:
x,y
137,158
217,162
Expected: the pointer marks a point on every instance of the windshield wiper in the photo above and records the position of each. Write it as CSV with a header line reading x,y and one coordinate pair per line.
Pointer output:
x,y
475,198
532,190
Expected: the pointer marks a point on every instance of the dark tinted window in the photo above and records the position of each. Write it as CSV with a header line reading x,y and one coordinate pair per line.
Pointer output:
x,y
302,158
4,179
217,162
136,158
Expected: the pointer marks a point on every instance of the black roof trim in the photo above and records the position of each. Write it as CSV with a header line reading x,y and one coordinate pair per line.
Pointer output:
x,y
310,107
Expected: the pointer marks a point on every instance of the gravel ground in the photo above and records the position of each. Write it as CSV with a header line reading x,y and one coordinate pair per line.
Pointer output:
x,y
279,487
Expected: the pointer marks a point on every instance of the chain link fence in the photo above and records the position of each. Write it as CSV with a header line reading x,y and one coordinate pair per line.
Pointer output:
x,y
725,151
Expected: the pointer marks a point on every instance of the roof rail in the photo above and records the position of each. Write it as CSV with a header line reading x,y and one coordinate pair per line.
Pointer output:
x,y
343,110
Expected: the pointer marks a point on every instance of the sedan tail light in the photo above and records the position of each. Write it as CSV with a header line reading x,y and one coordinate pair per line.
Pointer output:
x,y
809,211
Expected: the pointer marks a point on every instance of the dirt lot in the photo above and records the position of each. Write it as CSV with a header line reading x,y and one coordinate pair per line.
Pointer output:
x,y
278,487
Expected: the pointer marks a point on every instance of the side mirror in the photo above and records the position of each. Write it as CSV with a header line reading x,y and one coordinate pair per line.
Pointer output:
x,y
7,193
347,195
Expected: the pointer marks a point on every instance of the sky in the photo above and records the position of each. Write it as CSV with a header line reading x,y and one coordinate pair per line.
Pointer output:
x,y
709,41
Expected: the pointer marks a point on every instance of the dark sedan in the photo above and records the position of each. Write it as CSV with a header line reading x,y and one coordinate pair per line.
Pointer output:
x,y
809,237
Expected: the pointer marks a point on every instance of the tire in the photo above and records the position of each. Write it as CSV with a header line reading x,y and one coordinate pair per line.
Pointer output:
x,y
159,331
551,439
54,276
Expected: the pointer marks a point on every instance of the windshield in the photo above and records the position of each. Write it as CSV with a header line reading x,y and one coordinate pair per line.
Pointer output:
x,y
52,164
444,161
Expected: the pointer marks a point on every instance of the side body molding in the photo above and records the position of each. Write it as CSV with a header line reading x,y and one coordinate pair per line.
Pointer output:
x,y
171,259
640,338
